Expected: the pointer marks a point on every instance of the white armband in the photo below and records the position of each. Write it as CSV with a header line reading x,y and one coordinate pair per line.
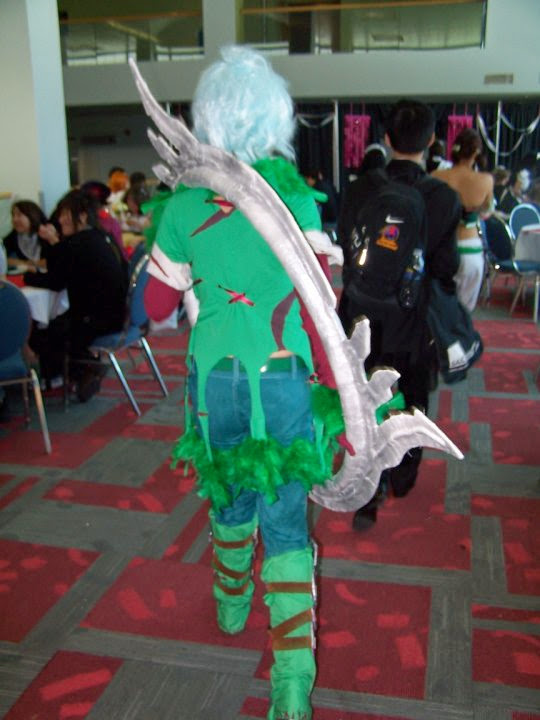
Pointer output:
x,y
322,245
175,274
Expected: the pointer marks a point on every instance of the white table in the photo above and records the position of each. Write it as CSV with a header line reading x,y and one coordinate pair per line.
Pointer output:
x,y
527,248
45,304
531,233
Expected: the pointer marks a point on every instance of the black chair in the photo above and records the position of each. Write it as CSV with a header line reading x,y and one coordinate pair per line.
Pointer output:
x,y
132,336
523,214
14,331
499,245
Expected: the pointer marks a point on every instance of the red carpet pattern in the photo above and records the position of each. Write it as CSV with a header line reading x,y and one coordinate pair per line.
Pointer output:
x,y
105,569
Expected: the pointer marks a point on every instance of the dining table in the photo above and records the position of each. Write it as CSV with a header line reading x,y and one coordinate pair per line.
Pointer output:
x,y
45,304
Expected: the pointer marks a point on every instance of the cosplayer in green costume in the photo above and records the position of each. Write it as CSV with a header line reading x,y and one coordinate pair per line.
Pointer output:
x,y
258,434
250,430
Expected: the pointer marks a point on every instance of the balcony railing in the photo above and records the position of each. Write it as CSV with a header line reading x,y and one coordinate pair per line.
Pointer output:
x,y
351,27
115,39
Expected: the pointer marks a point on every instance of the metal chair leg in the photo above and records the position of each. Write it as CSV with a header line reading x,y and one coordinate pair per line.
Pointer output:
x,y
150,357
26,404
123,381
41,411
517,294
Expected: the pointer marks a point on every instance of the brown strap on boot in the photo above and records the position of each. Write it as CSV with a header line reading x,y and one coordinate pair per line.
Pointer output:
x,y
278,633
240,590
232,544
227,571
290,587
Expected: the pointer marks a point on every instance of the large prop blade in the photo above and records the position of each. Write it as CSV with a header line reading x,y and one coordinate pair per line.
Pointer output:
x,y
376,447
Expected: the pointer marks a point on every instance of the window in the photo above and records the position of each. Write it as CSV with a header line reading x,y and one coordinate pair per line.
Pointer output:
x,y
104,32
367,25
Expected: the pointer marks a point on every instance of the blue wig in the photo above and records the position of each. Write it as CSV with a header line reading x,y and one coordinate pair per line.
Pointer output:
x,y
242,106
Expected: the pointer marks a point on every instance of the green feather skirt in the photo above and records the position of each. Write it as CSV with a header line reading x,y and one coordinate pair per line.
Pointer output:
x,y
265,465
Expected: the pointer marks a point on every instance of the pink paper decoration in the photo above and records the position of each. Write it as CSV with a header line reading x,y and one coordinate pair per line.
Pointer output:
x,y
356,132
456,123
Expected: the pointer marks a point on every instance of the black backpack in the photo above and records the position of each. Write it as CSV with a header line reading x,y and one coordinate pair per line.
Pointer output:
x,y
387,245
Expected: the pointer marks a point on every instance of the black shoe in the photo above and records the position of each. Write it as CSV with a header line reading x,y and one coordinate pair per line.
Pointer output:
x,y
364,518
90,383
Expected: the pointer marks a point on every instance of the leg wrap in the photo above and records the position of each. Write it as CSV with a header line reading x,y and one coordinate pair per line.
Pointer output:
x,y
232,560
291,598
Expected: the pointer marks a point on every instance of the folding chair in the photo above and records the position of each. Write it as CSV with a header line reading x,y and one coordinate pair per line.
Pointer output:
x,y
132,335
523,214
14,331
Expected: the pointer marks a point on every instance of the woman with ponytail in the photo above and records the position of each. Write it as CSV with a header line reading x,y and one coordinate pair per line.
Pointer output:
x,y
475,190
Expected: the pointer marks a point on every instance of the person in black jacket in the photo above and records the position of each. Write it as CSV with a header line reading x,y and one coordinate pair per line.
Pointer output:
x,y
23,245
87,263
406,347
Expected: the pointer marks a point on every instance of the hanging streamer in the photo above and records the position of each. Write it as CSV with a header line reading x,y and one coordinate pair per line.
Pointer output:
x,y
356,131
491,145
527,130
323,120
456,123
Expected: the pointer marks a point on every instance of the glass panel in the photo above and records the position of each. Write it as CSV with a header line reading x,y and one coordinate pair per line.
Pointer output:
x,y
115,37
331,27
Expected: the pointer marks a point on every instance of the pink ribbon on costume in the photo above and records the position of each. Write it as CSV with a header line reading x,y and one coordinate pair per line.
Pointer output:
x,y
237,297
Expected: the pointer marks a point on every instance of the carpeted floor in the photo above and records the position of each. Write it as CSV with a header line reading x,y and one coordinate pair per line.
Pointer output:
x,y
433,614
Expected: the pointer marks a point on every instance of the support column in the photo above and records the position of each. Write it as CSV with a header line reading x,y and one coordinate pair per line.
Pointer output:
x,y
219,22
34,161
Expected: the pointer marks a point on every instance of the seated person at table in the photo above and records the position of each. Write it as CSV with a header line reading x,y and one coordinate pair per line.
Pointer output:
x,y
501,177
513,194
118,183
89,266
100,193
534,195
23,245
137,194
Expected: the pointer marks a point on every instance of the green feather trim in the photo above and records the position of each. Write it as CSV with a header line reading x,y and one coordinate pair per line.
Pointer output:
x,y
278,172
326,406
285,178
260,465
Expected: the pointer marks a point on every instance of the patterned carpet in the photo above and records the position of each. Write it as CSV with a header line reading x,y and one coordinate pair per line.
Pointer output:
x,y
433,614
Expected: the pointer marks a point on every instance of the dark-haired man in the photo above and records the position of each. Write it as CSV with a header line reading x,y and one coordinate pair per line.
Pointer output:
x,y
397,342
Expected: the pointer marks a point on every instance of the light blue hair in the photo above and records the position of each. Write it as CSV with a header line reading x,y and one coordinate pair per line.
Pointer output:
x,y
242,106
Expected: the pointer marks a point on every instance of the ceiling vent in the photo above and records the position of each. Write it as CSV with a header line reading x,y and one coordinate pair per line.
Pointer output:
x,y
499,79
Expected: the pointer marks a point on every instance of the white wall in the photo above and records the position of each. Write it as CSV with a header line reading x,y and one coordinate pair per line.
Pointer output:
x,y
511,47
33,145
18,125
95,161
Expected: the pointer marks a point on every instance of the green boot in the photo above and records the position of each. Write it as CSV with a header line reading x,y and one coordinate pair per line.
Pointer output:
x,y
233,587
290,597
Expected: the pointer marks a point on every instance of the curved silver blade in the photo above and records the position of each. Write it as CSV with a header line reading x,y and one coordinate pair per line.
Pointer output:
x,y
376,447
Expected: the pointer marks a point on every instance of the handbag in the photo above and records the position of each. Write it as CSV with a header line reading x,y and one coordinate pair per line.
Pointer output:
x,y
458,343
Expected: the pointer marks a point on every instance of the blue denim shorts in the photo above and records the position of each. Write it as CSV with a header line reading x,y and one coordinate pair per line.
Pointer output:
x,y
285,394
286,398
